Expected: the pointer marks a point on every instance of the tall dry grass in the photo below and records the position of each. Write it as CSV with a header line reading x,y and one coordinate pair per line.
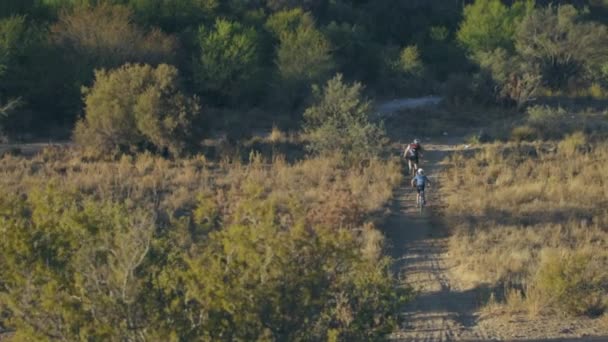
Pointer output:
x,y
219,236
532,218
323,189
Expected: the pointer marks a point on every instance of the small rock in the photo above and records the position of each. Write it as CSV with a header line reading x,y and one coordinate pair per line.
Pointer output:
x,y
566,331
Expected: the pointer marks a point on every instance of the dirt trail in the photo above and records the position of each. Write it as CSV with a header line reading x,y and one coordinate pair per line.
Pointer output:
x,y
441,310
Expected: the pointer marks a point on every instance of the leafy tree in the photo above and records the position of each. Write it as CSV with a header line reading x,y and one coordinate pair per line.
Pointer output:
x,y
490,24
26,69
516,79
339,121
69,266
355,51
14,7
228,64
303,55
174,15
562,47
288,21
278,5
256,279
105,36
409,60
134,107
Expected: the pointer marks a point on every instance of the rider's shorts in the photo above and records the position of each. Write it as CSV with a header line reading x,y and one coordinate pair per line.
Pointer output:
x,y
413,158
420,188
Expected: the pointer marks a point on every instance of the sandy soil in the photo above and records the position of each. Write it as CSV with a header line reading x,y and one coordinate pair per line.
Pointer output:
x,y
444,309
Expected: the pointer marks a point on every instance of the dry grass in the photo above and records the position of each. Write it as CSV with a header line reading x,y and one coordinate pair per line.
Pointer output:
x,y
532,218
322,190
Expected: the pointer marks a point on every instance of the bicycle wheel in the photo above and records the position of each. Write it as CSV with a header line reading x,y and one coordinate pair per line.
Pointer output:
x,y
421,202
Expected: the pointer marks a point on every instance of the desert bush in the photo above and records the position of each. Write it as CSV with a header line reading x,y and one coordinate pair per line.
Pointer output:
x,y
524,133
339,121
573,144
464,89
555,123
135,106
207,250
575,281
513,205
69,266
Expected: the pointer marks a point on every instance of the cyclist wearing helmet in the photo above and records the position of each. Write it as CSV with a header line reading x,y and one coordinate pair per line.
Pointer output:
x,y
412,153
419,182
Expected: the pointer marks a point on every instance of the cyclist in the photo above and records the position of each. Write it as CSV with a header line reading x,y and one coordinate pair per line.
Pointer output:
x,y
419,182
412,153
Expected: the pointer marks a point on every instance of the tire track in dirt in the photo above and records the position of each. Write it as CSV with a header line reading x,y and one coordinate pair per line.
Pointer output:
x,y
441,311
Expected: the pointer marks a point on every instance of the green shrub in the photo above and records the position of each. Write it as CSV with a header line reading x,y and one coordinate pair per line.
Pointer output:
x,y
339,121
490,24
574,281
243,263
524,133
69,266
136,107
409,60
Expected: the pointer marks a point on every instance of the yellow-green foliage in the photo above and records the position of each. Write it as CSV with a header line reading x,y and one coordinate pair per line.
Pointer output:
x,y
137,107
149,249
533,215
523,133
575,281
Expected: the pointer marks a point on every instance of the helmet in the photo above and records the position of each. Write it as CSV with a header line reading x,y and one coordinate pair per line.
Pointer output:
x,y
420,172
416,141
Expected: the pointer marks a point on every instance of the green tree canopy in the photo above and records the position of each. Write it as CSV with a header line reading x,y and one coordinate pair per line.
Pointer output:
x,y
105,36
304,53
490,24
228,63
561,45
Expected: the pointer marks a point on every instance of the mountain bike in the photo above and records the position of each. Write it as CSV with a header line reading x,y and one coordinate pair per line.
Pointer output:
x,y
421,202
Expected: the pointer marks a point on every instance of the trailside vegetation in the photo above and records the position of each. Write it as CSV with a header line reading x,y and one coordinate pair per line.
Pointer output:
x,y
149,249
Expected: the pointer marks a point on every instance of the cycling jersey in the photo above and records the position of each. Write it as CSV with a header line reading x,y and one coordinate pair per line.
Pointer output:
x,y
420,180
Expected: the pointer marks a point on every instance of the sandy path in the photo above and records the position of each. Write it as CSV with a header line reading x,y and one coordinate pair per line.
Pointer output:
x,y
443,310
440,312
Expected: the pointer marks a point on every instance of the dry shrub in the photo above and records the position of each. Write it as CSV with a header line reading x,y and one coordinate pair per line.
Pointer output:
x,y
573,144
512,204
105,36
322,190
574,281
336,209
214,237
523,133
372,242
